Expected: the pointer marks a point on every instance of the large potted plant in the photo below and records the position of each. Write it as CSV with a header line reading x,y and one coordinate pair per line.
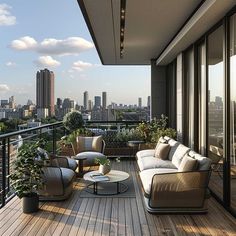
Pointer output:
x,y
26,178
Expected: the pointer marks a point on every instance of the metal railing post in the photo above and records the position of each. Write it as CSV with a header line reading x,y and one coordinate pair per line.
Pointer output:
x,y
8,163
53,140
3,171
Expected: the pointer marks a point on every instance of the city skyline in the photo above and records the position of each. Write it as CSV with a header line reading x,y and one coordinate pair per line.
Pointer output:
x,y
70,53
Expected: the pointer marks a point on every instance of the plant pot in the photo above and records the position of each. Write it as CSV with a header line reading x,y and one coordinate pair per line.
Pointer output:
x,y
30,204
104,169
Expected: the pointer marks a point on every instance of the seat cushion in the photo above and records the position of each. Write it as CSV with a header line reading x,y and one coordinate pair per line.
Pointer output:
x,y
153,162
72,164
90,157
179,153
204,163
145,153
146,177
67,176
89,144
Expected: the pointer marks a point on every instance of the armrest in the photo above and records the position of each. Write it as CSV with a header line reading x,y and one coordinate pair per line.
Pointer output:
x,y
103,146
179,189
59,161
53,182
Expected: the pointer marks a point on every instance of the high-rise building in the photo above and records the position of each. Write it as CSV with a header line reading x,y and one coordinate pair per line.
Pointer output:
x,y
86,100
139,102
149,101
12,103
90,105
45,90
59,103
104,100
97,101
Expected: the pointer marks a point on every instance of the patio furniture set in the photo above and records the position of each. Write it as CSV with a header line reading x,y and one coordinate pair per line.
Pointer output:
x,y
174,178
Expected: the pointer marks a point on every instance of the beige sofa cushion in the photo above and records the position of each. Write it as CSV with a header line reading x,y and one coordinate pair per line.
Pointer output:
x,y
204,163
179,154
89,144
162,151
151,162
146,177
188,164
173,146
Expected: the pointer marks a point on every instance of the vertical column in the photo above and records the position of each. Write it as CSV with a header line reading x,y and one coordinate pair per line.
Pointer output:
x,y
158,90
179,96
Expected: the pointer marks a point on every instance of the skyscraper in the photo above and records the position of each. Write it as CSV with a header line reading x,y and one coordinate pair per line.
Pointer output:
x,y
149,101
45,90
97,102
86,100
104,100
139,102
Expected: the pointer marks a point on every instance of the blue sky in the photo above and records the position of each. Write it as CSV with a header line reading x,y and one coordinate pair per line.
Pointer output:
x,y
52,34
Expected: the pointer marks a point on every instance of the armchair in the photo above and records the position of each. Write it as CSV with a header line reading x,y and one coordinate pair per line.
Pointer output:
x,y
90,148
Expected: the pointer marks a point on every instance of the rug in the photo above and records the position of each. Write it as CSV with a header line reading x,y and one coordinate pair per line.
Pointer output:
x,y
109,188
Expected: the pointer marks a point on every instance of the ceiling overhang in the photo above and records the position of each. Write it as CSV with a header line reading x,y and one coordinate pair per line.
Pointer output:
x,y
153,28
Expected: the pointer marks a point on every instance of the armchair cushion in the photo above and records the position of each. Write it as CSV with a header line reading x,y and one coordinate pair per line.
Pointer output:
x,y
90,157
89,144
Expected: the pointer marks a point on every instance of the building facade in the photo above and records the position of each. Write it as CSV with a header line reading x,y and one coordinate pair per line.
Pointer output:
x,y
45,91
86,99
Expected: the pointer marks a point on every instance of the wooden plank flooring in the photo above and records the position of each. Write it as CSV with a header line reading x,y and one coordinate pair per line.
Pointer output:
x,y
111,216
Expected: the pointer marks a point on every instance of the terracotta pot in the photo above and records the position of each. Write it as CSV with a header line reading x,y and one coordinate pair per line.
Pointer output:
x,y
104,169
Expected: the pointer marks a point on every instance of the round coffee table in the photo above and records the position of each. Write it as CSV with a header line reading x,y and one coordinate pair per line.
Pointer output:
x,y
115,176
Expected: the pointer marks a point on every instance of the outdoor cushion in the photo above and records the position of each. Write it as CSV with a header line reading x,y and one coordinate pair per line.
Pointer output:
x,y
188,164
67,176
146,177
145,153
179,153
153,162
89,144
173,146
90,157
162,151
204,163
72,164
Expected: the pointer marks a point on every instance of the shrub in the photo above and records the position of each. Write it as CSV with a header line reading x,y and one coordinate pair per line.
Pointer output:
x,y
73,121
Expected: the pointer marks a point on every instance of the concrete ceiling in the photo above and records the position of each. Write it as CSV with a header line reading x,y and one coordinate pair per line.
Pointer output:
x,y
150,25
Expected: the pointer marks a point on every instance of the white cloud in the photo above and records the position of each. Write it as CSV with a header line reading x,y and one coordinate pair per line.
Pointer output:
x,y
47,61
51,46
4,88
10,64
81,65
6,18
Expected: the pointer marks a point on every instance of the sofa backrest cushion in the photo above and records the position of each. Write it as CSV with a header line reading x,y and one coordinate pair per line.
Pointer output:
x,y
162,151
179,153
89,144
204,163
173,146
188,164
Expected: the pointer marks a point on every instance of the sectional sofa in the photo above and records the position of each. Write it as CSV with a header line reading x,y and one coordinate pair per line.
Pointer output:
x,y
174,184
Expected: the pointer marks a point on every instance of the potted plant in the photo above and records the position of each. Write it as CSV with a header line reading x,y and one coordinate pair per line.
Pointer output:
x,y
26,178
73,121
104,165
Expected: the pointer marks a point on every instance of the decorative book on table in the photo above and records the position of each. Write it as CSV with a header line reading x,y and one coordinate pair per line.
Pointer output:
x,y
99,177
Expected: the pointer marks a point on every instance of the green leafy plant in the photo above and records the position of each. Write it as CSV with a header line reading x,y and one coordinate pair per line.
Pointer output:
x,y
126,135
104,161
73,121
26,179
162,133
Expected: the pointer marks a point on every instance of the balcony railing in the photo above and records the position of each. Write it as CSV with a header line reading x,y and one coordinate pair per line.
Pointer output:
x,y
52,133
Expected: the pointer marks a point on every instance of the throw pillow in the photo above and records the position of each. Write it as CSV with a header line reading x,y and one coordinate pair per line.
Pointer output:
x,y
89,144
162,151
188,164
161,140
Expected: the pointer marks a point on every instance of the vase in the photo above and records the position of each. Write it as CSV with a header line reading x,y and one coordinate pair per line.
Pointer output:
x,y
104,169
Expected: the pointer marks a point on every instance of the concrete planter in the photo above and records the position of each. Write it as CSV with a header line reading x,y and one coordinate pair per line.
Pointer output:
x,y
30,204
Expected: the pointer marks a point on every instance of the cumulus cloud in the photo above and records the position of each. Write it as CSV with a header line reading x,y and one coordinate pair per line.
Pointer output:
x,y
81,65
4,88
6,18
51,46
47,61
10,63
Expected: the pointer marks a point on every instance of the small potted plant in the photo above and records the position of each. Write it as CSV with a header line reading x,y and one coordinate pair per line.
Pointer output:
x,y
104,165
26,178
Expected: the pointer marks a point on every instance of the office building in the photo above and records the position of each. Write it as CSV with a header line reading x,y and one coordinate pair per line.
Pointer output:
x,y
45,91
139,102
97,102
104,100
148,101
86,98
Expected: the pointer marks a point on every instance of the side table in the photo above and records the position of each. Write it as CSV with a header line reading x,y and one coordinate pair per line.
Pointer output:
x,y
80,165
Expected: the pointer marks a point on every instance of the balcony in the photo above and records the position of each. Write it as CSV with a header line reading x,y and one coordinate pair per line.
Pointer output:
x,y
107,215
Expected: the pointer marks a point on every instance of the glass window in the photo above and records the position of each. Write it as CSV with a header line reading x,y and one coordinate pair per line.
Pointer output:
x,y
216,108
233,110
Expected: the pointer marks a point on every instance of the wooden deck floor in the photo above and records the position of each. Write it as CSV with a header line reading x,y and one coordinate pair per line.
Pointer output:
x,y
111,216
